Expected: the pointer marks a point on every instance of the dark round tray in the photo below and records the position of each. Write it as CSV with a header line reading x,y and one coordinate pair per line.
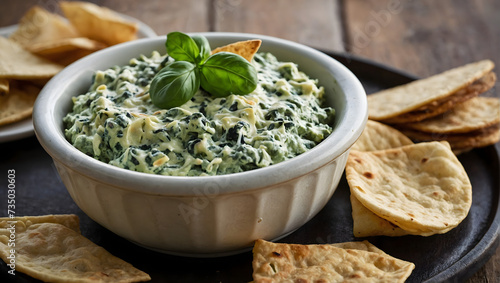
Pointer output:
x,y
453,256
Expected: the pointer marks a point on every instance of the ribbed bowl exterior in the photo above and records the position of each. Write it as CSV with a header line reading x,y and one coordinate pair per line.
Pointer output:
x,y
210,223
208,215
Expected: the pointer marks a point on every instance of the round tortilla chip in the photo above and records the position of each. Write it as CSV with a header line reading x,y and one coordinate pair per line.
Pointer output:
x,y
378,136
420,188
406,98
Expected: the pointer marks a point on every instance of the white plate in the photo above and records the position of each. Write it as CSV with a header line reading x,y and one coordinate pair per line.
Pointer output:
x,y
24,128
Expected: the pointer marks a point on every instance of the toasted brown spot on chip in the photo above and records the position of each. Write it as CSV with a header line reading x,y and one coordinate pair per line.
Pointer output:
x,y
368,175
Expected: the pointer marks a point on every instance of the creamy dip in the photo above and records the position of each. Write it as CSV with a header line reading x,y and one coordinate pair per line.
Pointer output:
x,y
115,121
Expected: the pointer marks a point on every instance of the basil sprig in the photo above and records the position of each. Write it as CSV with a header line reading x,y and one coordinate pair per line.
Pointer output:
x,y
220,74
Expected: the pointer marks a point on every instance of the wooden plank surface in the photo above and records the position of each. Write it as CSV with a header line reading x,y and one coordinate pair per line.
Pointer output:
x,y
315,23
424,37
421,37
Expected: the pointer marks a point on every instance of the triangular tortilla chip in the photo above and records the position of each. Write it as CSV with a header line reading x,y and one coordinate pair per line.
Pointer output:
x,y
67,50
474,114
55,253
99,23
245,49
18,103
403,99
39,26
422,188
23,222
274,262
17,63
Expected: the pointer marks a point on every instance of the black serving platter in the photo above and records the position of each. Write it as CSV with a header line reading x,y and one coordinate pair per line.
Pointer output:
x,y
451,257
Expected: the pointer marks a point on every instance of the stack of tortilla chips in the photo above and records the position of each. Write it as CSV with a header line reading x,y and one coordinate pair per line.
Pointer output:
x,y
44,43
446,106
22,75
401,188
86,29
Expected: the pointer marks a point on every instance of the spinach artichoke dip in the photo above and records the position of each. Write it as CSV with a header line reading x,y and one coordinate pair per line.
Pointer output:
x,y
115,121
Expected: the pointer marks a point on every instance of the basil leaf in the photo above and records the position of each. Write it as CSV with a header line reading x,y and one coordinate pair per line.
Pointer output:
x,y
227,73
174,85
204,47
182,47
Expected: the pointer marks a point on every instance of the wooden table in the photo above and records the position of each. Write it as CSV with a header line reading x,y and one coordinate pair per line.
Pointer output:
x,y
419,37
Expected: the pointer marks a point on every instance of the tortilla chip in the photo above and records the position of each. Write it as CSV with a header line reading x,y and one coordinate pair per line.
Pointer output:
x,y
23,222
99,23
360,245
18,103
4,86
474,114
245,49
421,188
274,262
378,136
39,26
67,50
412,96
460,142
17,63
367,223
53,252
445,104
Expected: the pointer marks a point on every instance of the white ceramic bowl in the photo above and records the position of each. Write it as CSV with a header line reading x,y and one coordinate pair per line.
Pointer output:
x,y
203,216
